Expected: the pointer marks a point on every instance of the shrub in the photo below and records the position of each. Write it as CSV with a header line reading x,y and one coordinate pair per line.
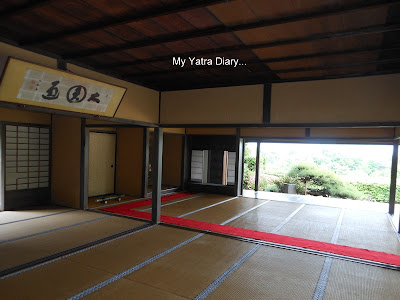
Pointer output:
x,y
280,183
323,182
377,191
271,188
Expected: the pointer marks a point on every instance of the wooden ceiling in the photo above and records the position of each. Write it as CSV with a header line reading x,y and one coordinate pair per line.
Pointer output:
x,y
277,41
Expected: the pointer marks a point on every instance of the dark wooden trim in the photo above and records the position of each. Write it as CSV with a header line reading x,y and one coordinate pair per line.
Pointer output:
x,y
183,161
238,164
287,125
84,169
159,107
188,160
61,64
243,151
2,166
254,139
324,67
19,9
145,163
74,114
257,175
102,131
338,66
278,71
50,154
130,17
225,29
115,158
112,126
267,99
255,80
350,141
393,177
25,124
157,175
329,53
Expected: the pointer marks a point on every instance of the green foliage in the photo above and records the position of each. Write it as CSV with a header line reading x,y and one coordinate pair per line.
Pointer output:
x,y
377,192
249,170
278,168
324,182
341,164
271,188
279,183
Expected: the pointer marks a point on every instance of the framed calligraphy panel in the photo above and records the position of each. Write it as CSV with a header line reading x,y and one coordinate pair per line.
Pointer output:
x,y
32,84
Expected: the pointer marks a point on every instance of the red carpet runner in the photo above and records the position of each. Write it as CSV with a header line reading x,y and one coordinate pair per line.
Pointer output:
x,y
146,202
366,254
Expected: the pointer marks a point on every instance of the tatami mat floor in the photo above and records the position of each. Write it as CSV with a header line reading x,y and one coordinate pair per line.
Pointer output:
x,y
94,202
160,262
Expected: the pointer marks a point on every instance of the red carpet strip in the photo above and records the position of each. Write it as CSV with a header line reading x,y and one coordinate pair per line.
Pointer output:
x,y
382,257
147,202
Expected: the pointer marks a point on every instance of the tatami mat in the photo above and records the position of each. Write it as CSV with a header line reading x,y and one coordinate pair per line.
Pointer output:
x,y
306,229
92,203
29,227
26,250
124,253
320,214
22,215
367,219
224,211
270,273
194,266
255,221
362,237
276,208
267,217
75,273
354,281
273,274
184,207
58,280
126,289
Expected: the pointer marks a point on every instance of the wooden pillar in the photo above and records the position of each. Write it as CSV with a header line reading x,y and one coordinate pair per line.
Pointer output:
x,y
157,174
2,165
393,178
239,164
145,166
84,172
256,186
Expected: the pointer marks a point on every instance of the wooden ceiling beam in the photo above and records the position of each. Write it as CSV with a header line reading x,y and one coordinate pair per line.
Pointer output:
x,y
316,37
266,60
340,66
291,70
124,19
225,29
19,9
172,85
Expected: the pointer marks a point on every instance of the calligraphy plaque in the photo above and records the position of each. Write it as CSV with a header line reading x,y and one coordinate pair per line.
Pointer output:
x,y
31,84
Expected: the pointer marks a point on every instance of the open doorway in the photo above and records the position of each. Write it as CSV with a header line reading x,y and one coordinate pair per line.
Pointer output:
x,y
321,173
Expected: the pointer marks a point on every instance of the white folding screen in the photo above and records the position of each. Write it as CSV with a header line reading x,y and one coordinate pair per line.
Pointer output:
x,y
27,159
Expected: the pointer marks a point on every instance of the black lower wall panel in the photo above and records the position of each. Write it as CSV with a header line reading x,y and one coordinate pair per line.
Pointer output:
x,y
210,189
26,198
